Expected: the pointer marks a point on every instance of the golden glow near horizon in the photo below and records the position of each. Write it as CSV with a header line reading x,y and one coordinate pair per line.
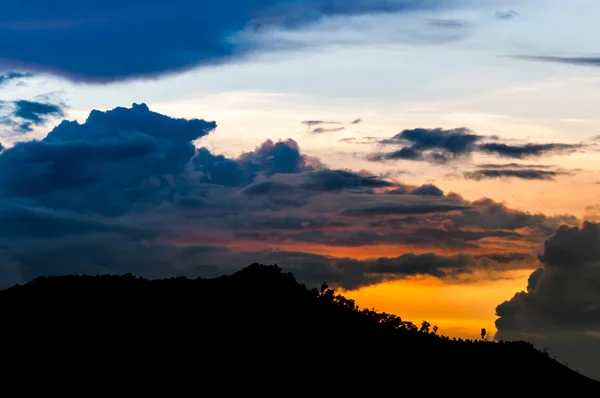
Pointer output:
x,y
459,310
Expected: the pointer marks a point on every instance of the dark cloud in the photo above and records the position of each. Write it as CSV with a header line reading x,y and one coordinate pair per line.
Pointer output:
x,y
527,150
506,14
118,40
320,181
500,166
99,165
406,153
581,61
438,143
504,258
128,191
561,307
423,190
282,157
13,76
402,209
431,145
439,146
321,130
22,115
356,121
524,174
427,190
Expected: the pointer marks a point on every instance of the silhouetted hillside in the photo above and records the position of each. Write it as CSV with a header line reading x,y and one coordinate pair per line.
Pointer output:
x,y
257,324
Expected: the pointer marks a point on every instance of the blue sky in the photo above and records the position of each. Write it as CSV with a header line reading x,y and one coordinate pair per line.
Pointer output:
x,y
349,134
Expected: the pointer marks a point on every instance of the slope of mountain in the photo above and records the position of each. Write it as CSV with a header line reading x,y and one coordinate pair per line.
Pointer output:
x,y
257,325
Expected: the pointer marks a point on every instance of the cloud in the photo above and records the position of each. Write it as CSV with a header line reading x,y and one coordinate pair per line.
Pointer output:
x,y
321,130
439,146
527,150
313,123
432,145
592,213
113,41
129,191
448,23
580,61
456,141
402,209
319,181
427,190
513,166
524,174
22,115
356,121
561,307
90,166
506,14
9,77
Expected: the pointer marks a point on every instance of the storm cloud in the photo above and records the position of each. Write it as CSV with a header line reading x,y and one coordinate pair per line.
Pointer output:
x,y
561,307
128,191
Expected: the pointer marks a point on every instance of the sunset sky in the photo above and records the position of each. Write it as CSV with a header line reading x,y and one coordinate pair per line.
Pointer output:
x,y
437,159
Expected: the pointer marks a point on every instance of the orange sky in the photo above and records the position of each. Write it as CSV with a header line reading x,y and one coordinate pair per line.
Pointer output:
x,y
459,310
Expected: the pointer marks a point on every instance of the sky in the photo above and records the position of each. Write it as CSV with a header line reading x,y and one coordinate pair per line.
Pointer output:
x,y
437,159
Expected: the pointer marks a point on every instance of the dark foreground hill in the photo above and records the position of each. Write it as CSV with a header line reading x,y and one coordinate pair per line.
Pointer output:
x,y
257,330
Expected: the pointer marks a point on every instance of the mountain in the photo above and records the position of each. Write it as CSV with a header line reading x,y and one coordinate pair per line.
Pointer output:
x,y
257,330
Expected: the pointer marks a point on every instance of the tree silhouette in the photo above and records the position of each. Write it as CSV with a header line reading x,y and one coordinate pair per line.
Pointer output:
x,y
324,287
483,333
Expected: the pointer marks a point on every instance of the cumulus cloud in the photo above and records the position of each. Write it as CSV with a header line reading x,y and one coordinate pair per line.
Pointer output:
x,y
439,146
128,191
148,37
561,307
95,165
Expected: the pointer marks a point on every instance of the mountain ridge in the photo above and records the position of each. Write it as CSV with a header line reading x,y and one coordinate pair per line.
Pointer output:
x,y
258,315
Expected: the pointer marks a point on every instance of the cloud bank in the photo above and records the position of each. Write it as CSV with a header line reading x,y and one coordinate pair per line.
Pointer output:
x,y
129,191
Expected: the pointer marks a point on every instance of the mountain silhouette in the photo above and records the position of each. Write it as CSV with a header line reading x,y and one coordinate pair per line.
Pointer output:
x,y
257,330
